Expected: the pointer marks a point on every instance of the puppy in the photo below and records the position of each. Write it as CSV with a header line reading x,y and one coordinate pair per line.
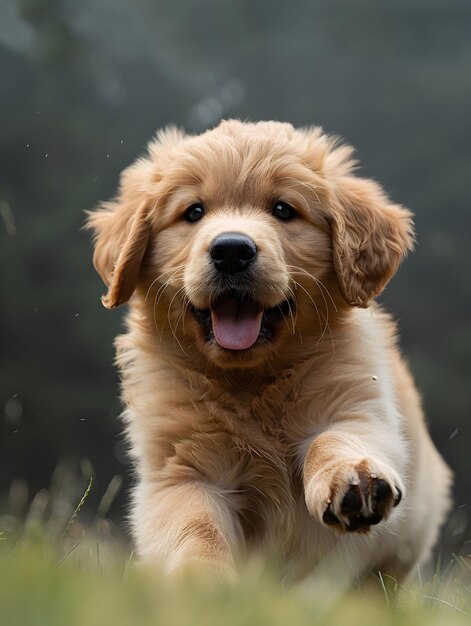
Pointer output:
x,y
267,406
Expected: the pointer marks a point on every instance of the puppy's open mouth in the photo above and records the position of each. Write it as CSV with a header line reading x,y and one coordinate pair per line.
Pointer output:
x,y
237,322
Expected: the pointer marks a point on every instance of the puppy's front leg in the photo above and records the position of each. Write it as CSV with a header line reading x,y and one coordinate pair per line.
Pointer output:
x,y
184,526
349,478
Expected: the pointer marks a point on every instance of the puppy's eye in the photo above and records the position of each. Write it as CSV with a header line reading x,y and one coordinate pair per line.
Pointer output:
x,y
194,213
283,211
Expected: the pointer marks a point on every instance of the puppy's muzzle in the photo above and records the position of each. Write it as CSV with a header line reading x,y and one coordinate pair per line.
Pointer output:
x,y
232,252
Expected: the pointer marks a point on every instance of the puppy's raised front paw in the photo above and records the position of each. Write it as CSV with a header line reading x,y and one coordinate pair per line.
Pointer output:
x,y
352,498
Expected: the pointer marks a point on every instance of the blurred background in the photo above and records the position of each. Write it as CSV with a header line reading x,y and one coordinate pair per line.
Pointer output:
x,y
86,84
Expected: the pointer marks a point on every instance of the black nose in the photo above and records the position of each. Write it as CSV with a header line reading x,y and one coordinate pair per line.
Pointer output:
x,y
232,252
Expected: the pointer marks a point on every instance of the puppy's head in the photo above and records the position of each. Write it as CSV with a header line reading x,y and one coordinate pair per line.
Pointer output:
x,y
242,237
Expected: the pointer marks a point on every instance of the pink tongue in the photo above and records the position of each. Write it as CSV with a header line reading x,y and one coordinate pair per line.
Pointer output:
x,y
236,325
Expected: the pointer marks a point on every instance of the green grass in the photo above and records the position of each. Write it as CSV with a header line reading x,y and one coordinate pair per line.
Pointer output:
x,y
55,570
37,588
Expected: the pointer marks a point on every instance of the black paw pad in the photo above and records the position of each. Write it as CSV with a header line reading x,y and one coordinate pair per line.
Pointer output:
x,y
329,518
359,522
381,492
370,494
352,501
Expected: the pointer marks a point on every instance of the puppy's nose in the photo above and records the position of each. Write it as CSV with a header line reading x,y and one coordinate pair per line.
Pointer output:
x,y
232,252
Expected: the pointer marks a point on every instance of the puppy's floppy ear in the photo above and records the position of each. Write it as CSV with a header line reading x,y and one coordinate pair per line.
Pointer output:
x,y
370,236
122,231
119,253
122,228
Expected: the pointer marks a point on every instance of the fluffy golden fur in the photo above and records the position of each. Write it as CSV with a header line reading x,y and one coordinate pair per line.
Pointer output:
x,y
311,443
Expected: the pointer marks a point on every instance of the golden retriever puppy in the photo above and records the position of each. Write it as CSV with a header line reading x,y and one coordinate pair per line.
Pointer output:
x,y
267,406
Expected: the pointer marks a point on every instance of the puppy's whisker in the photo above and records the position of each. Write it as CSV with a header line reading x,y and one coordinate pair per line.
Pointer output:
x,y
295,316
163,288
186,304
312,300
159,277
316,280
158,296
326,319
293,320
320,284
285,320
173,330
284,298
155,320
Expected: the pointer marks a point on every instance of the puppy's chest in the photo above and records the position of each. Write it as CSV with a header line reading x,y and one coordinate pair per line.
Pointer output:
x,y
262,424
281,413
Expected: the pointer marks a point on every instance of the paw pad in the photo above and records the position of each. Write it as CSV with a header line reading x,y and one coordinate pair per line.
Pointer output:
x,y
364,504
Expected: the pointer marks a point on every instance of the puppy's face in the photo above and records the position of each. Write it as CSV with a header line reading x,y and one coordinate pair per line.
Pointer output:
x,y
245,236
239,244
